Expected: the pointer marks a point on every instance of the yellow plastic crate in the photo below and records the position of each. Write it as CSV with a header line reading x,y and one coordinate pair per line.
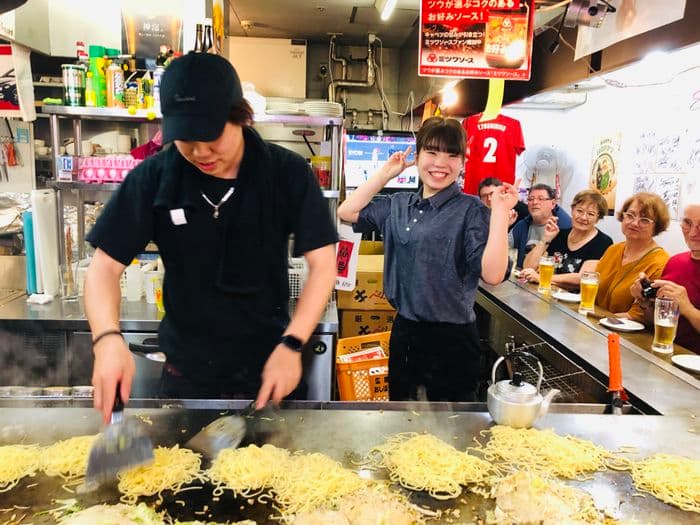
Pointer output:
x,y
363,380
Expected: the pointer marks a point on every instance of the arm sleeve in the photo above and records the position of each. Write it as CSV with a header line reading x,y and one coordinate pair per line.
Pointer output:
x,y
519,140
126,224
373,216
310,217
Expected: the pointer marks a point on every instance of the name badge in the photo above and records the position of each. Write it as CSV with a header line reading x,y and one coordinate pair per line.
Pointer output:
x,y
178,217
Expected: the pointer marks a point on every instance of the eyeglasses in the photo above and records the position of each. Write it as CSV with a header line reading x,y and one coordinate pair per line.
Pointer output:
x,y
538,199
486,196
631,217
588,214
687,225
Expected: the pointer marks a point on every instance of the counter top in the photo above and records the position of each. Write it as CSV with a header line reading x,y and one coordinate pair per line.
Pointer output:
x,y
650,379
136,316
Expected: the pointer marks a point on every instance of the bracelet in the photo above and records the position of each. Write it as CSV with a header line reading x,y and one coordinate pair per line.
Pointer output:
x,y
105,334
546,243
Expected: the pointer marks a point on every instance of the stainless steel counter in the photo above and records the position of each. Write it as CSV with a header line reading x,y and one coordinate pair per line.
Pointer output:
x,y
667,389
346,432
136,316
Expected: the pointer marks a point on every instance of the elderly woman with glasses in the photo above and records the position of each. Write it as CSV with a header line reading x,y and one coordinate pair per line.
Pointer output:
x,y
580,247
643,217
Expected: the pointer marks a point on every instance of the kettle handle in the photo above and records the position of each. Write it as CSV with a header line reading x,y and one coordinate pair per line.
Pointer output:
x,y
524,355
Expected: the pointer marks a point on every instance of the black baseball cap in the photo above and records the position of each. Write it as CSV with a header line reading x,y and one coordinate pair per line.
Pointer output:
x,y
197,92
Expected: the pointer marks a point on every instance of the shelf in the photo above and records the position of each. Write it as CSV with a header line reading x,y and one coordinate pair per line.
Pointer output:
x,y
83,112
75,185
298,120
48,84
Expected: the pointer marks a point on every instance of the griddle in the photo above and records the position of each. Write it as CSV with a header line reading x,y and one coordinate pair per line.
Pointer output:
x,y
346,432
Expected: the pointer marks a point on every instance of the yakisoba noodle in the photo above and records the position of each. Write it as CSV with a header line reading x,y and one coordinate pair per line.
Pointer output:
x,y
310,481
67,458
170,470
16,462
426,463
672,479
543,451
247,471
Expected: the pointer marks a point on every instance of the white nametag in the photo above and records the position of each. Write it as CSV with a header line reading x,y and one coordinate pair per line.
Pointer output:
x,y
178,217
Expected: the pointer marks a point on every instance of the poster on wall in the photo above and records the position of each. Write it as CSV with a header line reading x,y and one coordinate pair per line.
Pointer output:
x,y
665,186
476,39
148,25
605,168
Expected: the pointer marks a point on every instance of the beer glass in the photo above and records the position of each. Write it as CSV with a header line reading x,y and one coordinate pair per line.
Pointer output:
x,y
665,323
546,272
589,289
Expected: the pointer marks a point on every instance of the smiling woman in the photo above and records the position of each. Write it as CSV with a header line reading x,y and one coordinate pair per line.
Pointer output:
x,y
438,243
643,216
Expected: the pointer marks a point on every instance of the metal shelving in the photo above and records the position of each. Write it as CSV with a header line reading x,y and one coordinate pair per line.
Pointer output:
x,y
85,192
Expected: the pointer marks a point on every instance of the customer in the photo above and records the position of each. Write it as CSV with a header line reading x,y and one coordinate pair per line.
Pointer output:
x,y
220,204
486,189
643,217
542,205
580,246
438,242
680,280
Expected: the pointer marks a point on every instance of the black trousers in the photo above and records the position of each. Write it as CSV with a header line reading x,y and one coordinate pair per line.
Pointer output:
x,y
442,359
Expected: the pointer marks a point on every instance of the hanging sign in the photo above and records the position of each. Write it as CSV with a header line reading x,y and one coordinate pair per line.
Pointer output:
x,y
476,38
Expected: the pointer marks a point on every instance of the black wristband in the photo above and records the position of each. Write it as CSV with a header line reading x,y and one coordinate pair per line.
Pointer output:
x,y
105,334
292,342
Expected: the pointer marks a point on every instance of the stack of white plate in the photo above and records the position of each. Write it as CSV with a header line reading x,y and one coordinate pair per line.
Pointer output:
x,y
278,107
322,108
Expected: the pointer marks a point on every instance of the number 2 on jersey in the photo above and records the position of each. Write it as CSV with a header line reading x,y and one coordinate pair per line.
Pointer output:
x,y
491,145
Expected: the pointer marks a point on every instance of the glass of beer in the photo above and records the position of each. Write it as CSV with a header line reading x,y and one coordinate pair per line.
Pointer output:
x,y
589,289
665,323
546,272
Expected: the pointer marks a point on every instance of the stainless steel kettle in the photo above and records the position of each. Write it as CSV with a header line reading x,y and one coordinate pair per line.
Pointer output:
x,y
514,402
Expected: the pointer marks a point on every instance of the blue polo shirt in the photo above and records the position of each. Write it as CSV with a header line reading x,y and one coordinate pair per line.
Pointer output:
x,y
432,252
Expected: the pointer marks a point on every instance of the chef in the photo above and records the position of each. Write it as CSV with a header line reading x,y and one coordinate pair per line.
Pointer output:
x,y
220,203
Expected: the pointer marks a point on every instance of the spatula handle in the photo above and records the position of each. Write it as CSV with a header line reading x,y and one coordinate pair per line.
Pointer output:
x,y
118,403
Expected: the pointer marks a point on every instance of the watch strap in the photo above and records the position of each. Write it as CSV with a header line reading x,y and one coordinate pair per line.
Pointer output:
x,y
291,342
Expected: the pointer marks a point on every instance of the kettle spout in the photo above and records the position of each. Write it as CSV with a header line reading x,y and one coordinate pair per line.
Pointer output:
x,y
544,406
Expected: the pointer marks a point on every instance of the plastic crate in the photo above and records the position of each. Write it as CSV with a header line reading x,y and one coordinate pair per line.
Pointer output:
x,y
363,380
297,272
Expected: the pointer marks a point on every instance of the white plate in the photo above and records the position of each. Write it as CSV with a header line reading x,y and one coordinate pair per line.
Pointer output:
x,y
626,325
567,297
687,362
285,112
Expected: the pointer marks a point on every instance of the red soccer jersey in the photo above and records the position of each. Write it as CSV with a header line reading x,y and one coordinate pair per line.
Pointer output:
x,y
491,150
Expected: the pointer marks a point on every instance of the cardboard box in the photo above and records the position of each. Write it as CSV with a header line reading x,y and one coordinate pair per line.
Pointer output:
x,y
371,248
369,290
362,322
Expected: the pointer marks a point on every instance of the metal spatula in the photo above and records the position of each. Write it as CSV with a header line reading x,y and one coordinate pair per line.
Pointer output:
x,y
223,432
123,444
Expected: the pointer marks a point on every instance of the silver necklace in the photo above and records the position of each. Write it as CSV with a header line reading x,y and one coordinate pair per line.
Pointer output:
x,y
218,204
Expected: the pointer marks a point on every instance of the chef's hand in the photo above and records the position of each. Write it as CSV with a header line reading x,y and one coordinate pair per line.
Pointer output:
x,y
114,365
530,275
671,290
280,376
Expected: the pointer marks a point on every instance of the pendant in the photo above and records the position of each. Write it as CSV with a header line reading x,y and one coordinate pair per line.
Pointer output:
x,y
216,212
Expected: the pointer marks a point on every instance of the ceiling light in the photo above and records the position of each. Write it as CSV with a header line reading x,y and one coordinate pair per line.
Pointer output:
x,y
385,8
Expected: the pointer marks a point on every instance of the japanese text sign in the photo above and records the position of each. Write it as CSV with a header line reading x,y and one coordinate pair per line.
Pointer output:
x,y
476,38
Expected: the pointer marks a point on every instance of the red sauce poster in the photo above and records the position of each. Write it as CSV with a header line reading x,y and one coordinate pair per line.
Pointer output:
x,y
476,38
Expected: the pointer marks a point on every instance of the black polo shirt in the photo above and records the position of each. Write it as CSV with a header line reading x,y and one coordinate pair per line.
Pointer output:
x,y
226,287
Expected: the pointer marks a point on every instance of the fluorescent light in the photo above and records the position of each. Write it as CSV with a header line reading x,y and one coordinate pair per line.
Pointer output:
x,y
385,8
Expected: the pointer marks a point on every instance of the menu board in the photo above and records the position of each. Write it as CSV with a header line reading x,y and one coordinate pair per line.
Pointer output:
x,y
476,38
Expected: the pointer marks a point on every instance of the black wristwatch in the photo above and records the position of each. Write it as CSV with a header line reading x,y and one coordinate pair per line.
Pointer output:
x,y
291,342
